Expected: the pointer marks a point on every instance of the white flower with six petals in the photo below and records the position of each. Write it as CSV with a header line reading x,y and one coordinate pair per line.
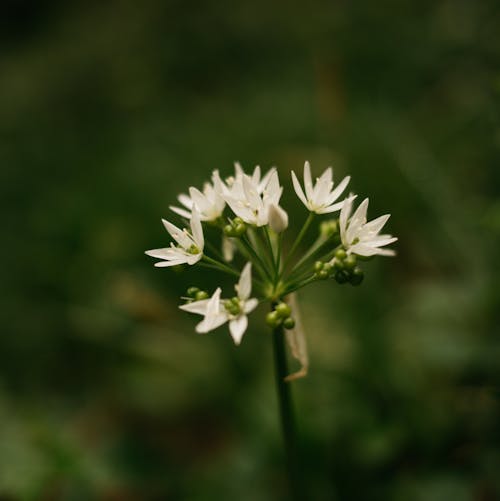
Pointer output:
x,y
216,311
358,236
321,197
190,245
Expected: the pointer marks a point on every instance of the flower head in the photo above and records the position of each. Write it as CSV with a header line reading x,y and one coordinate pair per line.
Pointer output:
x,y
358,236
189,248
321,197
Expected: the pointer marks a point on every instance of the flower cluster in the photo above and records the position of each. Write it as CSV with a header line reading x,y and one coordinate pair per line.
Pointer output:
x,y
246,209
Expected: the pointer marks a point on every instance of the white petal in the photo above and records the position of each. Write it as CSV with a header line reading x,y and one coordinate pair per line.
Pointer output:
x,y
172,262
199,199
298,189
344,216
237,327
180,236
185,200
211,323
181,212
197,230
308,181
376,225
265,179
199,307
159,253
338,190
278,218
244,285
250,305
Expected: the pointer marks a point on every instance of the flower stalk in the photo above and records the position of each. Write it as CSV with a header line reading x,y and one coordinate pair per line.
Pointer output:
x,y
287,417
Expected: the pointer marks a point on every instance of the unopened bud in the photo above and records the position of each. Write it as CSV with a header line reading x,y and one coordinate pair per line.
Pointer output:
x,y
201,295
357,276
283,310
278,218
289,323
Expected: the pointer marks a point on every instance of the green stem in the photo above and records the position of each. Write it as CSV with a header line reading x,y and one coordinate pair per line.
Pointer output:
x,y
286,414
220,266
258,260
299,238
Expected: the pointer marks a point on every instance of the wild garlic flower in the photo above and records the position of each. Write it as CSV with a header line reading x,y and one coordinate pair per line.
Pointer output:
x,y
249,201
245,210
217,312
358,236
320,198
190,245
210,204
212,310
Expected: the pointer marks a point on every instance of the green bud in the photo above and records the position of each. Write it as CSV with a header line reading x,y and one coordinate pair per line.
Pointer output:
x,y
340,254
328,268
328,228
283,310
342,276
237,221
272,319
318,266
289,323
200,295
350,261
357,276
239,229
191,292
323,275
235,300
228,230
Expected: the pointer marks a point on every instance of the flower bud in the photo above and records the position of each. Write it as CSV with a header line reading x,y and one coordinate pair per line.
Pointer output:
x,y
272,319
289,323
192,291
318,266
342,276
357,276
229,230
350,261
328,228
200,295
283,310
278,218
340,254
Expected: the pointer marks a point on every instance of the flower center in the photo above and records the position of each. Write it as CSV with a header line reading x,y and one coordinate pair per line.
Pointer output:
x,y
233,306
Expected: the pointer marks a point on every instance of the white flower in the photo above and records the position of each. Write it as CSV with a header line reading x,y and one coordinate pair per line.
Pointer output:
x,y
210,204
278,218
190,245
217,312
212,309
360,237
320,198
250,201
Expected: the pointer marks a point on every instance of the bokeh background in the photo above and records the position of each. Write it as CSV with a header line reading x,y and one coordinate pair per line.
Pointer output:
x,y
108,110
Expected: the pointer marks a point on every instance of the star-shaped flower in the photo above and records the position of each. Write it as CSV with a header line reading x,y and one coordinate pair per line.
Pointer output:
x,y
358,236
250,201
321,197
189,248
217,312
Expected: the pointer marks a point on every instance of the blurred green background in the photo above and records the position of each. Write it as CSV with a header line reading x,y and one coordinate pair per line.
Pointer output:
x,y
108,110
